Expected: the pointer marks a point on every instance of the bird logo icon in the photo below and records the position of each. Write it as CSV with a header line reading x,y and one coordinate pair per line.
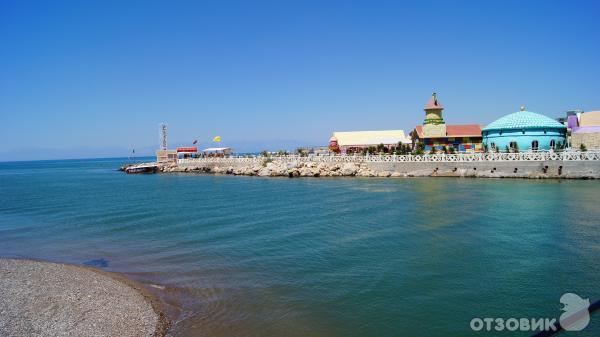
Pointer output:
x,y
576,315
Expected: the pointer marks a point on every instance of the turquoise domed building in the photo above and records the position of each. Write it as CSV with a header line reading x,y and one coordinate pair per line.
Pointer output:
x,y
524,131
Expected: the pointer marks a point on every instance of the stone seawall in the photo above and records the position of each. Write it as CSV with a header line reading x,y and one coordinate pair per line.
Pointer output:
x,y
283,167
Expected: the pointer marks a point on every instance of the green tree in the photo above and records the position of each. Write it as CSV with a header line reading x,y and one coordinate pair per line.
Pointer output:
x,y
420,149
400,148
302,152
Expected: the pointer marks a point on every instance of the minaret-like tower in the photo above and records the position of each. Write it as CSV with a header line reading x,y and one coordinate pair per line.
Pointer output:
x,y
434,125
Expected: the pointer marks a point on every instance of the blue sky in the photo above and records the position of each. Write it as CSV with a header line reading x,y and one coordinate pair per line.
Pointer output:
x,y
95,78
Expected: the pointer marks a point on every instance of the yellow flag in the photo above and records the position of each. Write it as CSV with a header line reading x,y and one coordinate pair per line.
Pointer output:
x,y
217,139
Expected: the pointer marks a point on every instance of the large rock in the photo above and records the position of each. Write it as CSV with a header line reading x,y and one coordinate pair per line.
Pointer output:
x,y
309,172
365,172
349,169
384,174
220,170
264,172
305,172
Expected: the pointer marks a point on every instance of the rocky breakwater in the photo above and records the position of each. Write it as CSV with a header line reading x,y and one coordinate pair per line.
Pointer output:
x,y
285,169
568,166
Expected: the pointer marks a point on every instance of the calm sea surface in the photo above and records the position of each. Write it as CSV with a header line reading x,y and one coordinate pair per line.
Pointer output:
x,y
249,256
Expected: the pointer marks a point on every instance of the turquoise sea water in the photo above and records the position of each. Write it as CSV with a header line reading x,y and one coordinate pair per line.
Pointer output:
x,y
250,256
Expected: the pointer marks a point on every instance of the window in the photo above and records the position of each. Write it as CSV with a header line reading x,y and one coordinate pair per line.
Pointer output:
x,y
534,145
552,144
493,146
513,146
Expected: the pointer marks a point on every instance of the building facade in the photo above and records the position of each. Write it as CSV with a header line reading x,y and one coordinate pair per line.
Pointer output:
x,y
166,156
436,134
524,131
357,141
585,130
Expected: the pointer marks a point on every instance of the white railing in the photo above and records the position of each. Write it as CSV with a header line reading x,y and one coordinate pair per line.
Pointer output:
x,y
461,157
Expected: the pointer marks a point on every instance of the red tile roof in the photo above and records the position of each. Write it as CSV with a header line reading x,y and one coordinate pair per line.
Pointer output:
x,y
464,130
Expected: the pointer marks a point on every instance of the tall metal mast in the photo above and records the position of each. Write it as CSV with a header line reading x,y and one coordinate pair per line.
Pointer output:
x,y
163,136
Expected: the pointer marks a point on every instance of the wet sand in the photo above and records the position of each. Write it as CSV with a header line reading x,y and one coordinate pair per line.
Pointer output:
x,y
51,299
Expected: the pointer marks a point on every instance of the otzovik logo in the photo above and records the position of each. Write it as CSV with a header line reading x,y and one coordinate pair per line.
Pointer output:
x,y
575,317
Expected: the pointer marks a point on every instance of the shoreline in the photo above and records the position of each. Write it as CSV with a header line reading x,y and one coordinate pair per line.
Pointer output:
x,y
163,322
35,288
472,167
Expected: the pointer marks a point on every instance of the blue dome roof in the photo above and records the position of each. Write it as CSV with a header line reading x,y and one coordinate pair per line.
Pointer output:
x,y
523,120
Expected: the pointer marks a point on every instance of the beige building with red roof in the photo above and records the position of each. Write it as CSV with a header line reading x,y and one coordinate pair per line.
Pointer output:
x,y
356,141
435,133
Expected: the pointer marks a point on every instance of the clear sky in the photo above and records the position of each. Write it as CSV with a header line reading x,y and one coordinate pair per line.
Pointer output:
x,y
95,78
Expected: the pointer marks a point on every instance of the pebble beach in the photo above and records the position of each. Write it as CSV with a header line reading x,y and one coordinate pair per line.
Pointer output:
x,y
51,299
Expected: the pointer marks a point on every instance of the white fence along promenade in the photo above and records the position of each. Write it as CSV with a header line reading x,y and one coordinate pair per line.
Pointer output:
x,y
460,157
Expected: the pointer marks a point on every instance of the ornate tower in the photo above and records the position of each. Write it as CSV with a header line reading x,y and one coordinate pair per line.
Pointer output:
x,y
434,125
